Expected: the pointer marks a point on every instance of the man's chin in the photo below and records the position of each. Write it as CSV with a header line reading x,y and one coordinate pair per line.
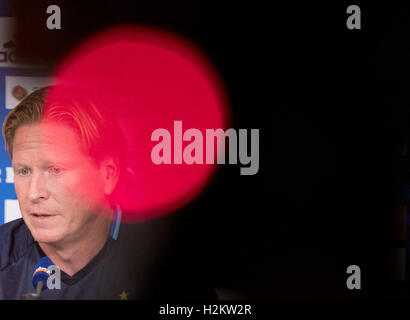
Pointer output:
x,y
47,232
45,236
48,239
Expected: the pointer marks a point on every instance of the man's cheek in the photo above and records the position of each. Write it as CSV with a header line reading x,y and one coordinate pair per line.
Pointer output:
x,y
20,195
18,186
87,188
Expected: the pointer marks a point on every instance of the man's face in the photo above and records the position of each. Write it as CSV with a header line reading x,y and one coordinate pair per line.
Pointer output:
x,y
59,188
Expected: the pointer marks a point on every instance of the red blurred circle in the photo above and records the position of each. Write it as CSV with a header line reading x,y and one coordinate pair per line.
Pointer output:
x,y
151,78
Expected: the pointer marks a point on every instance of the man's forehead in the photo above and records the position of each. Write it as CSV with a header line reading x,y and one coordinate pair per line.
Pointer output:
x,y
50,138
46,131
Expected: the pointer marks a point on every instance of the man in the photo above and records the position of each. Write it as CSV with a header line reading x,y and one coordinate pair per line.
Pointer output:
x,y
68,157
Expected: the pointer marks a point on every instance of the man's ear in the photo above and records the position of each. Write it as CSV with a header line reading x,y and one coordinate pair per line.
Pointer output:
x,y
111,172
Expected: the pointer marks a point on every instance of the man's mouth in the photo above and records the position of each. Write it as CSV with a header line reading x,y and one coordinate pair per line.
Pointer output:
x,y
42,215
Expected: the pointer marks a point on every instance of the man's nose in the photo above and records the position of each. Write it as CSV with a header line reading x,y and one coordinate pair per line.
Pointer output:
x,y
38,188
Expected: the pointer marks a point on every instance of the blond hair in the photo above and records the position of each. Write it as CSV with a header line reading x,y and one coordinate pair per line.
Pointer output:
x,y
76,107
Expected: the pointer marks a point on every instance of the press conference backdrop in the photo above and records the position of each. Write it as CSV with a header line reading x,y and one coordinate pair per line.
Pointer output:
x,y
16,82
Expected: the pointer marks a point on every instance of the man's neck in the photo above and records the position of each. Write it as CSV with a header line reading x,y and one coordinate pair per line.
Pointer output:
x,y
72,256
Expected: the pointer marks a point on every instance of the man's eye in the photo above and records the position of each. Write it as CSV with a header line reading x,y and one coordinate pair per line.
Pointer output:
x,y
56,171
23,172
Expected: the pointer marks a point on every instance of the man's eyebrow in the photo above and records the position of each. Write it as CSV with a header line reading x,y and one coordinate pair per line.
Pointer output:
x,y
18,164
44,164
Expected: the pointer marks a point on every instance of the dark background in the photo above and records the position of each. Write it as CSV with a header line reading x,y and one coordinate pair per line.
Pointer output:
x,y
332,106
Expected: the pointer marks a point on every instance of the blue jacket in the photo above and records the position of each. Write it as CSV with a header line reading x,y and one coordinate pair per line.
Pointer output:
x,y
136,262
